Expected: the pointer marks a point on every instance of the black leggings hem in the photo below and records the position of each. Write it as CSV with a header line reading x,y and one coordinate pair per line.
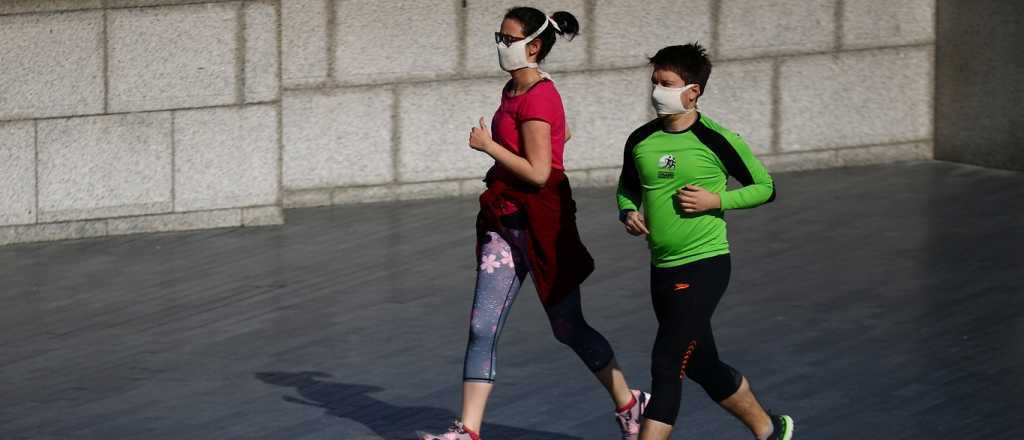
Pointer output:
x,y
603,365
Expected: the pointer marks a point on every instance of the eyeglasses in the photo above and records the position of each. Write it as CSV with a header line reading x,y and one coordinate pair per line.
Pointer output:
x,y
506,39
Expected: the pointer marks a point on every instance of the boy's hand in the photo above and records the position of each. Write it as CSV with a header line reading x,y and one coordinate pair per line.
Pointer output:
x,y
635,224
694,199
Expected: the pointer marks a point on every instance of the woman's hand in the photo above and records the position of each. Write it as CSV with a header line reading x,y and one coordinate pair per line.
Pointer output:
x,y
694,199
480,137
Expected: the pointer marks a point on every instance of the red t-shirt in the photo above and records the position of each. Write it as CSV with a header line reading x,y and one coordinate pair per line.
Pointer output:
x,y
543,103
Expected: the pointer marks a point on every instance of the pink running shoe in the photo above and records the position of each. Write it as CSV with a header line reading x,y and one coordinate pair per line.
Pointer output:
x,y
457,431
629,420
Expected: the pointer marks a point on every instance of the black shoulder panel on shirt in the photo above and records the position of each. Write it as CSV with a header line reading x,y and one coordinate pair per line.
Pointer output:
x,y
722,148
630,176
642,133
719,145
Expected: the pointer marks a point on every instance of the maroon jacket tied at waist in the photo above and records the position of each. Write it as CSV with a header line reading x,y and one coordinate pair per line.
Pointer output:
x,y
559,262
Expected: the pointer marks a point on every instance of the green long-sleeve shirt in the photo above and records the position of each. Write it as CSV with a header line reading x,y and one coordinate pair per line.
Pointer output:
x,y
656,163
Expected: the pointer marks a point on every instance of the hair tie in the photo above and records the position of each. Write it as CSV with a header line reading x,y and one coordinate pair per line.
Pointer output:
x,y
557,28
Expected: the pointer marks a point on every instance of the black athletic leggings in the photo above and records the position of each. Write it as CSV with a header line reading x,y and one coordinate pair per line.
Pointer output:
x,y
684,299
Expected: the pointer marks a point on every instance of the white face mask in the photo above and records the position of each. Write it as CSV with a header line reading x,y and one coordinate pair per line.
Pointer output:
x,y
513,56
669,101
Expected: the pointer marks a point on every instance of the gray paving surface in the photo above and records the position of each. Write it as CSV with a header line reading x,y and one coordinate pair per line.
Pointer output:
x,y
881,302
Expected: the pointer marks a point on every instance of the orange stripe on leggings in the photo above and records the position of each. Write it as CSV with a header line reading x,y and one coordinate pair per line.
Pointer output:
x,y
686,358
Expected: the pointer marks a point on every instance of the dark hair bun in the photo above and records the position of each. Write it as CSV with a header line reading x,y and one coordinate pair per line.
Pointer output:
x,y
570,27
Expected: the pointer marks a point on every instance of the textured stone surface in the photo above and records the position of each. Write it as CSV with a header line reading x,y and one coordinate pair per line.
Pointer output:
x,y
435,124
104,166
848,157
262,216
769,27
52,65
225,158
859,98
399,192
881,154
626,32
307,198
224,218
135,3
172,57
801,161
304,42
602,109
471,187
868,23
364,194
52,231
428,190
337,138
578,178
739,97
17,173
484,17
387,40
22,6
338,142
261,60
604,177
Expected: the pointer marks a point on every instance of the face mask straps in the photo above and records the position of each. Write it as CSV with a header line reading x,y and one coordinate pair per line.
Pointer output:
x,y
513,57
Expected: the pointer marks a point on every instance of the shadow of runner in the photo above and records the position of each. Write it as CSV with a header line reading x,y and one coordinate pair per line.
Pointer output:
x,y
390,422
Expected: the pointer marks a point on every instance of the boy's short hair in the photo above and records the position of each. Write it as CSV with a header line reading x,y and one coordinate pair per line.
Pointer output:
x,y
689,61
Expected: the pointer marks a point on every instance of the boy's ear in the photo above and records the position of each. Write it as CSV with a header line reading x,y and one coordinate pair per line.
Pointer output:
x,y
698,90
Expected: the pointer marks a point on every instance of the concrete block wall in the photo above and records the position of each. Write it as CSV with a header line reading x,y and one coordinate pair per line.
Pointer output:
x,y
129,116
125,116
809,83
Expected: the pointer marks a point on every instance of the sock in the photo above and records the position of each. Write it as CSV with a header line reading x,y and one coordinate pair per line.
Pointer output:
x,y
627,407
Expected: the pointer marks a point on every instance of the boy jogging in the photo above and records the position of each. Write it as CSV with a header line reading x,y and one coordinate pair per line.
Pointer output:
x,y
675,169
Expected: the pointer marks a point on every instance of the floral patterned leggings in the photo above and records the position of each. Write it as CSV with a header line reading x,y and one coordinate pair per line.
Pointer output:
x,y
503,267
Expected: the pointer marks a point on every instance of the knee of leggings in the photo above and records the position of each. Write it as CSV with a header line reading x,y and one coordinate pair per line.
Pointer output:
x,y
719,380
589,345
664,367
480,333
566,331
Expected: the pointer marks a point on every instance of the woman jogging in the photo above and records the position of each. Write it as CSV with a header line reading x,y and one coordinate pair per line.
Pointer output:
x,y
527,225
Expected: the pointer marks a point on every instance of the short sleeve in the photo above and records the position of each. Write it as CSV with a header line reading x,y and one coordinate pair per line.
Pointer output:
x,y
542,104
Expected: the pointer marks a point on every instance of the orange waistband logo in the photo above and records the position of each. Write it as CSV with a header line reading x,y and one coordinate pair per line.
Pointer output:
x,y
681,286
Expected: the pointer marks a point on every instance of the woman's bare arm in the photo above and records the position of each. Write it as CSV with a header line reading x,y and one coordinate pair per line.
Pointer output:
x,y
535,168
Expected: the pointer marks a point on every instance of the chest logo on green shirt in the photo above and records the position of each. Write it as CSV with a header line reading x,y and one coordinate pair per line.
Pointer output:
x,y
667,163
